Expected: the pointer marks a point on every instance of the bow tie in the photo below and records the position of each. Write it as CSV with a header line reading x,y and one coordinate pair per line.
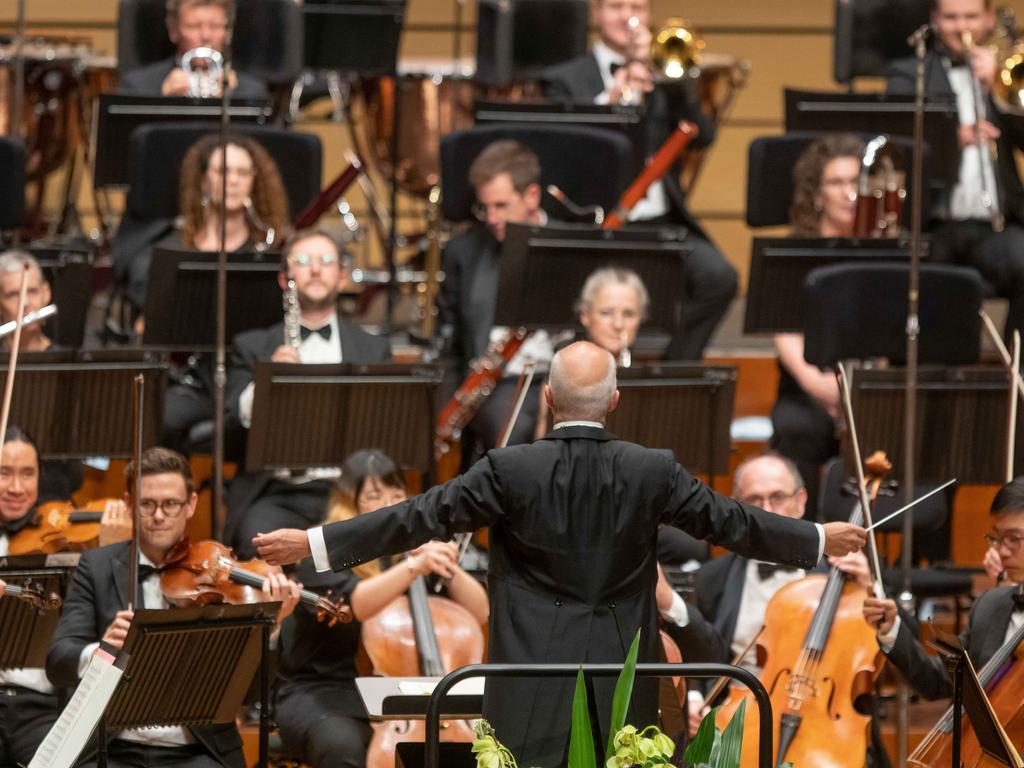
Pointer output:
x,y
324,331
1018,601
146,570
766,570
615,67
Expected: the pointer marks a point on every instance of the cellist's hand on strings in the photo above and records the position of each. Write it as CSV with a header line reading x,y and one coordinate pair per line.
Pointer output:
x,y
115,522
843,538
283,546
880,614
440,557
856,566
118,629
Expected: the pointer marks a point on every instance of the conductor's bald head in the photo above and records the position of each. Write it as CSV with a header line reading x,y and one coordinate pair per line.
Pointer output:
x,y
581,384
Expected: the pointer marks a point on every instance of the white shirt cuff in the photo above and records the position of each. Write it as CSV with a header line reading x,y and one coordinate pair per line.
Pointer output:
x,y
245,404
888,640
318,547
84,656
677,613
821,540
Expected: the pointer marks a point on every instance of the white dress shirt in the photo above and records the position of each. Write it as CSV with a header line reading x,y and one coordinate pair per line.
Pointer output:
x,y
966,200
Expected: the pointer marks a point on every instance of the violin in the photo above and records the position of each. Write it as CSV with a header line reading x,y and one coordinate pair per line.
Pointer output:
x,y
205,572
419,635
50,602
815,678
58,526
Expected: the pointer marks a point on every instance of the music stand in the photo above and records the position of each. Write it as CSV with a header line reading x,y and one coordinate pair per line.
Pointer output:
x,y
780,265
28,629
79,409
181,309
353,36
682,407
68,270
215,650
306,416
544,268
119,115
877,113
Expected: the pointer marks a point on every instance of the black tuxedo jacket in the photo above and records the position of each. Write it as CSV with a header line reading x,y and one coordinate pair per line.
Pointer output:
x,y
469,293
147,81
579,81
986,629
901,76
98,591
250,347
574,522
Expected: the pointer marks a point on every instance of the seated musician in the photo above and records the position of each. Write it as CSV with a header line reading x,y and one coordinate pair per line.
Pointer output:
x,y
95,610
996,616
190,24
733,591
260,502
37,296
807,408
506,178
964,228
28,702
603,76
319,712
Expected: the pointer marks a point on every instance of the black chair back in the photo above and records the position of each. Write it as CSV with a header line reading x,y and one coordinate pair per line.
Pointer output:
x,y
12,183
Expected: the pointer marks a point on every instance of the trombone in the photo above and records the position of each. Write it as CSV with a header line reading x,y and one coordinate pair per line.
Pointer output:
x,y
985,149
675,54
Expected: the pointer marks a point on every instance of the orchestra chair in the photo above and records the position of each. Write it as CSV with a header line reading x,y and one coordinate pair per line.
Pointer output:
x,y
12,183
871,33
592,166
268,38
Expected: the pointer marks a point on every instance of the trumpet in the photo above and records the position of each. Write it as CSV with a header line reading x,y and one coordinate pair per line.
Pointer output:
x,y
203,81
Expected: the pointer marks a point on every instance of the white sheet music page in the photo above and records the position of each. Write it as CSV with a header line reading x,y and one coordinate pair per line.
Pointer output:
x,y
68,736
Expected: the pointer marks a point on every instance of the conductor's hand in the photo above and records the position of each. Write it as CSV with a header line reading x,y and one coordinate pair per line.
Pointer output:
x,y
880,614
283,546
663,592
843,538
115,523
285,354
118,629
278,587
440,557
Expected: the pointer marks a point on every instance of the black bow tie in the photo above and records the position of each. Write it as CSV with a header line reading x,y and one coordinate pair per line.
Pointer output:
x,y
324,331
615,67
1018,601
146,570
766,570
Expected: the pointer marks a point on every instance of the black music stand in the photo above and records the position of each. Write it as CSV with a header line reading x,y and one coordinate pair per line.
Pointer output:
x,y
544,268
682,407
181,308
28,629
353,36
80,409
306,416
780,265
69,271
12,183
120,114
214,652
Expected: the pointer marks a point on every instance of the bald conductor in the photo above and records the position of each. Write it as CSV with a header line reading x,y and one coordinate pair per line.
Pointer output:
x,y
573,524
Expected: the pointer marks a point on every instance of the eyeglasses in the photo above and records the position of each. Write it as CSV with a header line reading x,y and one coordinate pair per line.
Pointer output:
x,y
170,507
1010,540
306,259
776,499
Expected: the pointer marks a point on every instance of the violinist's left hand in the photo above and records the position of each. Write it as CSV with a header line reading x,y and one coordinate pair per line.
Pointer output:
x,y
279,588
115,523
283,546
854,564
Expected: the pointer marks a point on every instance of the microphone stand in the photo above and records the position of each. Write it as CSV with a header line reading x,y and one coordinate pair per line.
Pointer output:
x,y
220,368
918,41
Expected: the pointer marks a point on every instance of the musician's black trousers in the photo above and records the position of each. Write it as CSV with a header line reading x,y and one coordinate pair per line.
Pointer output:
x,y
25,718
129,754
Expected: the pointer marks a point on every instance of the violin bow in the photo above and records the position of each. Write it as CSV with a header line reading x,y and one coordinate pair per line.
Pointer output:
x,y
138,390
1011,425
12,366
862,489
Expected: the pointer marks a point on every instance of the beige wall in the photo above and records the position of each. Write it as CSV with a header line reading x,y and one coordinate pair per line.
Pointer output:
x,y
788,42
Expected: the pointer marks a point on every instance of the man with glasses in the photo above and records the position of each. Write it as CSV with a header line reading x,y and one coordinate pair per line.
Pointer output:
x,y
260,502
506,178
95,610
190,24
996,616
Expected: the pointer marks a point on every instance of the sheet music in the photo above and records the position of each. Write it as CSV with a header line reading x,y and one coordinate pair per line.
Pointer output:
x,y
68,736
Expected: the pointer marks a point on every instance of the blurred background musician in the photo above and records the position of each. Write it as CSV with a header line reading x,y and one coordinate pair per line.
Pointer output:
x,y
259,502
807,409
37,296
964,232
319,712
506,178
95,610
711,282
191,24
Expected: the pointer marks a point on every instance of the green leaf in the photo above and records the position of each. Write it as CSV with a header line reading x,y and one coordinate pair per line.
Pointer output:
x,y
731,747
699,749
623,693
581,739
